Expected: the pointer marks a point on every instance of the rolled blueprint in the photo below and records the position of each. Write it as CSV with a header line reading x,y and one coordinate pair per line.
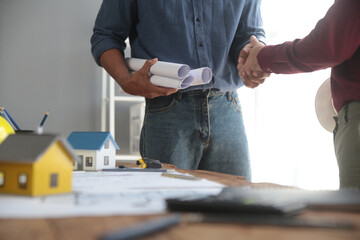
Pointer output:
x,y
201,76
172,75
166,69
171,82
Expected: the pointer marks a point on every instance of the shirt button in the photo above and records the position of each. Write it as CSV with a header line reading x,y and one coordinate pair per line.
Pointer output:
x,y
201,44
198,19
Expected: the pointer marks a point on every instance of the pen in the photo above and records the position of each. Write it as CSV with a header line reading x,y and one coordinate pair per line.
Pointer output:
x,y
10,119
144,229
5,116
40,128
44,118
180,176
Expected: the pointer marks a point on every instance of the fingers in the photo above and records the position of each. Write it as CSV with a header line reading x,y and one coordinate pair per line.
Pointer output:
x,y
153,90
245,52
139,83
248,66
250,80
261,75
253,40
250,84
160,91
147,65
243,55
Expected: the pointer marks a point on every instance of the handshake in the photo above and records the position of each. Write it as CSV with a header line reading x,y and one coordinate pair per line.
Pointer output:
x,y
248,66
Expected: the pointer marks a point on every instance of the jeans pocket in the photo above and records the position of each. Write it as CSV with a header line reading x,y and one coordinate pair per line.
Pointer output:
x,y
160,104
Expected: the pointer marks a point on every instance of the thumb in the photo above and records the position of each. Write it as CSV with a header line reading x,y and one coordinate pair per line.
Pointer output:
x,y
244,53
253,40
148,64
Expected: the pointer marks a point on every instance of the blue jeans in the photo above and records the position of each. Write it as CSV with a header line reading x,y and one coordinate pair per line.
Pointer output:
x,y
200,129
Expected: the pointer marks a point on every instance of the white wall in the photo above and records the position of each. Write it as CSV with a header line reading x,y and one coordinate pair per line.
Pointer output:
x,y
46,63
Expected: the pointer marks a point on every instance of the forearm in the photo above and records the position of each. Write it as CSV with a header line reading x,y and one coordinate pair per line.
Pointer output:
x,y
333,41
113,62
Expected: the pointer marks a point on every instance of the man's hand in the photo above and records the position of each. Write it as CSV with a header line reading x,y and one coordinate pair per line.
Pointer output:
x,y
248,67
139,83
243,55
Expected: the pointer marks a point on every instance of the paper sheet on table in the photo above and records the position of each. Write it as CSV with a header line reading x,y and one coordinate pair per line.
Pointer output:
x,y
107,193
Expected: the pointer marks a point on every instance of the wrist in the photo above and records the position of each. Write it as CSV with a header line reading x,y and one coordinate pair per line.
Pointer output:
x,y
123,79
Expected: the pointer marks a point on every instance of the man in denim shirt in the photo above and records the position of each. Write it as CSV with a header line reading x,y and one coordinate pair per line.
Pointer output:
x,y
200,127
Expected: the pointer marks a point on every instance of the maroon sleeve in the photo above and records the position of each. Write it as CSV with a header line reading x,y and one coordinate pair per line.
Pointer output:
x,y
334,40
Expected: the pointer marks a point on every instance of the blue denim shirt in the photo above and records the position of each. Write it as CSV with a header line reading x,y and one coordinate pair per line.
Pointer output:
x,y
198,33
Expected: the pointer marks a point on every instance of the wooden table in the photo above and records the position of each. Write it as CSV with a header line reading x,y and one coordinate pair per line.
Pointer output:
x,y
84,228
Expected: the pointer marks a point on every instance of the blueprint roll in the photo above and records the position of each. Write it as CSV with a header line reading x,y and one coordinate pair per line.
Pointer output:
x,y
165,69
201,76
171,82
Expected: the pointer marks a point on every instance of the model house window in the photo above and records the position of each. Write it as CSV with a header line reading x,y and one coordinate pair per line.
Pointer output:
x,y
89,161
106,160
53,180
23,178
2,178
107,144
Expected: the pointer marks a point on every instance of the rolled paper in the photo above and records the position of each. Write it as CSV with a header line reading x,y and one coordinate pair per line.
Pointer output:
x,y
165,69
171,82
201,76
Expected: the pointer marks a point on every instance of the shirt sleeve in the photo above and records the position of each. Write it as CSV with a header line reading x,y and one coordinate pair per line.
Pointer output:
x,y
250,24
334,40
112,27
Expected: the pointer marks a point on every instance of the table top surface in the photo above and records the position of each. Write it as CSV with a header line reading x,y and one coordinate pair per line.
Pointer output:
x,y
95,227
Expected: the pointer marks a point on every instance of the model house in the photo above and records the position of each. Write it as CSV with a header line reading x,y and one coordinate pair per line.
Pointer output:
x,y
35,165
5,129
96,150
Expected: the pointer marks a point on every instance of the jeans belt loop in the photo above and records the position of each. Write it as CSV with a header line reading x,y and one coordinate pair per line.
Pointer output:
x,y
229,95
179,96
207,93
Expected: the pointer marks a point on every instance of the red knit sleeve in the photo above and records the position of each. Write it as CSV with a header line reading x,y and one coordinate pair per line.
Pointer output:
x,y
335,39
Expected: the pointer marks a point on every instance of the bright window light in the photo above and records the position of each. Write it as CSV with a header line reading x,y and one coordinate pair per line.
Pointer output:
x,y
287,143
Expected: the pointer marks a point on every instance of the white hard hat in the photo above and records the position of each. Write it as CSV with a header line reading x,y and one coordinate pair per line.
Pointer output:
x,y
324,106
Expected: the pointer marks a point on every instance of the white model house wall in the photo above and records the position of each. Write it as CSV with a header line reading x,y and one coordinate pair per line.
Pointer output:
x,y
85,155
106,152
92,160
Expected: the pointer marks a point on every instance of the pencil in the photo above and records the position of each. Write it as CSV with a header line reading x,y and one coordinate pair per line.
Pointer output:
x,y
5,116
40,129
16,127
44,118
